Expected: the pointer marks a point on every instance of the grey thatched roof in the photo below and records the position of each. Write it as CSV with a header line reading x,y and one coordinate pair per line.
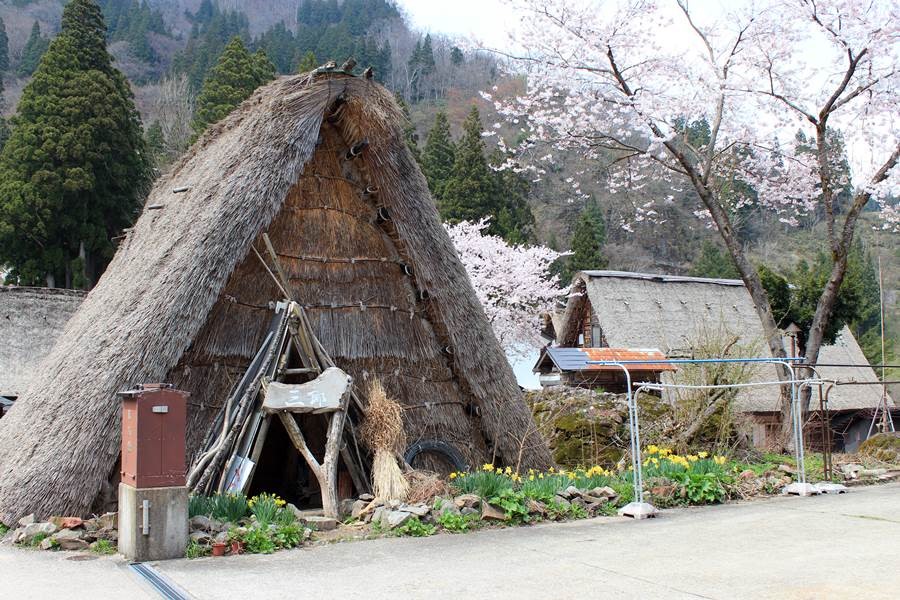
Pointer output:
x,y
639,310
184,298
30,321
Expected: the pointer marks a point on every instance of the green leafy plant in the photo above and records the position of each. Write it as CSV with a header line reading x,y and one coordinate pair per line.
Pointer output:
x,y
103,547
284,517
413,527
576,511
265,507
258,541
230,508
544,487
289,535
37,539
485,483
196,550
512,503
199,505
456,522
3,529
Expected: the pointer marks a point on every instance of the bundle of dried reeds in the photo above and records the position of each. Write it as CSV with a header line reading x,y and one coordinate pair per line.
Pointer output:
x,y
382,431
425,486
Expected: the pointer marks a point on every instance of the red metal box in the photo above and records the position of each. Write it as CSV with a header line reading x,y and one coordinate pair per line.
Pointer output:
x,y
153,431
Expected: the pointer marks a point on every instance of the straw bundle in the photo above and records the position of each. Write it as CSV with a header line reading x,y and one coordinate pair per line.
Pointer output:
x,y
425,486
383,433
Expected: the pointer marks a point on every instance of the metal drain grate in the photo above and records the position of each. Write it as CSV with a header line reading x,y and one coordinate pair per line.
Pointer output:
x,y
166,588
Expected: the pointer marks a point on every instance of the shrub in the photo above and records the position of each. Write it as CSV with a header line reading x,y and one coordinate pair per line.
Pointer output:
x,y
258,541
288,535
3,529
103,547
265,508
512,502
199,505
195,550
230,508
456,523
486,483
415,528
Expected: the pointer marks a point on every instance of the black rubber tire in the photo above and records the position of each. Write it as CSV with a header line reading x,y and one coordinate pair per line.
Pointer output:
x,y
438,447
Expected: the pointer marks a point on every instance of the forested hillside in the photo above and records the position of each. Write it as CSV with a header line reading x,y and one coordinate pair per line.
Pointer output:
x,y
174,54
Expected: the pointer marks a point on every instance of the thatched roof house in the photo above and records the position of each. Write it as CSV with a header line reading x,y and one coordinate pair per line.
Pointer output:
x,y
30,321
674,314
185,298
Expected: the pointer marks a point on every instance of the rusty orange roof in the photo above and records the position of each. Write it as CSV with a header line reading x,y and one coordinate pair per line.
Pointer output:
x,y
576,359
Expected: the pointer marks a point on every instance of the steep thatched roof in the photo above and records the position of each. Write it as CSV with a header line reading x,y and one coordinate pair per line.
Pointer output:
x,y
638,310
184,299
30,321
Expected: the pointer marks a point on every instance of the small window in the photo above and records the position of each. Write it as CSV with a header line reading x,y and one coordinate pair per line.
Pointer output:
x,y
597,336
581,339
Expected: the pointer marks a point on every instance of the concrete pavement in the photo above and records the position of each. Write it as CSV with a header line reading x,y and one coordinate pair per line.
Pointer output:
x,y
822,547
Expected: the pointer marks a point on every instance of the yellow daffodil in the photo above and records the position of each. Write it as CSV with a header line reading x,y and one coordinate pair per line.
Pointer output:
x,y
652,449
508,470
551,470
531,478
664,452
703,454
453,475
719,460
540,475
488,467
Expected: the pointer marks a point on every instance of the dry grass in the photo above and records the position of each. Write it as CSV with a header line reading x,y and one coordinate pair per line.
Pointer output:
x,y
425,486
388,482
383,427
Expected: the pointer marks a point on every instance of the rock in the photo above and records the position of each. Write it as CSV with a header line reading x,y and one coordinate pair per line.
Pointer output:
x,y
27,520
490,512
851,470
571,492
747,474
221,537
787,469
467,510
450,508
111,535
419,510
604,492
47,543
366,497
201,523
356,511
10,536
378,515
66,522
70,539
396,518
346,507
297,512
535,508
467,501
562,500
108,520
592,501
580,502
320,523
201,537
394,504
28,532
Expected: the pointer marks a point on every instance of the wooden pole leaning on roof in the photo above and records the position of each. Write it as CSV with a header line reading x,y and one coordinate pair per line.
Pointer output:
x,y
314,359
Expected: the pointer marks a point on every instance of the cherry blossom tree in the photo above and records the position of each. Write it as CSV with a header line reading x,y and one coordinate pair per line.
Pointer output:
x,y
513,283
623,82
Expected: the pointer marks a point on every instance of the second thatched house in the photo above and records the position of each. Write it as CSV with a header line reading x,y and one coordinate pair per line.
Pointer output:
x,y
318,162
685,317
30,321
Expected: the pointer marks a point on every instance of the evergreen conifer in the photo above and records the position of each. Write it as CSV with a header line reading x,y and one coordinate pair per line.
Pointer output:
x,y
33,51
469,193
438,156
587,241
234,78
4,49
75,167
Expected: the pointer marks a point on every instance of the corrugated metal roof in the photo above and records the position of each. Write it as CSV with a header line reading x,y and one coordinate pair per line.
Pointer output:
x,y
576,359
662,278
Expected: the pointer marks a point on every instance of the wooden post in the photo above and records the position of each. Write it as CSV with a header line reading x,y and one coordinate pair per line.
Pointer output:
x,y
326,472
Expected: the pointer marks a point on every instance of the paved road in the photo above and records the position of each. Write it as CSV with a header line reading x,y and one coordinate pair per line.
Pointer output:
x,y
795,548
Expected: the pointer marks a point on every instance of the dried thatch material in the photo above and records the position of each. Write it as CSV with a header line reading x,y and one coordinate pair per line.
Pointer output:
x,y
382,431
383,425
184,300
425,486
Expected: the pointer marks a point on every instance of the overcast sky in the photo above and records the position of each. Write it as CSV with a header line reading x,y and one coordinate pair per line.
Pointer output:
x,y
481,20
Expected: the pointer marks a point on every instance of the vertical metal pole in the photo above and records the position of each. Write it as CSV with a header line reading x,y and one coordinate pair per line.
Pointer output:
x,y
633,430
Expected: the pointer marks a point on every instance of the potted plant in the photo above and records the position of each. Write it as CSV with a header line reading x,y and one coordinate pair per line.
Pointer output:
x,y
218,548
236,539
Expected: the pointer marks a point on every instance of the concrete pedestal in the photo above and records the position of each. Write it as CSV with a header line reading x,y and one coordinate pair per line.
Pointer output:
x,y
163,533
